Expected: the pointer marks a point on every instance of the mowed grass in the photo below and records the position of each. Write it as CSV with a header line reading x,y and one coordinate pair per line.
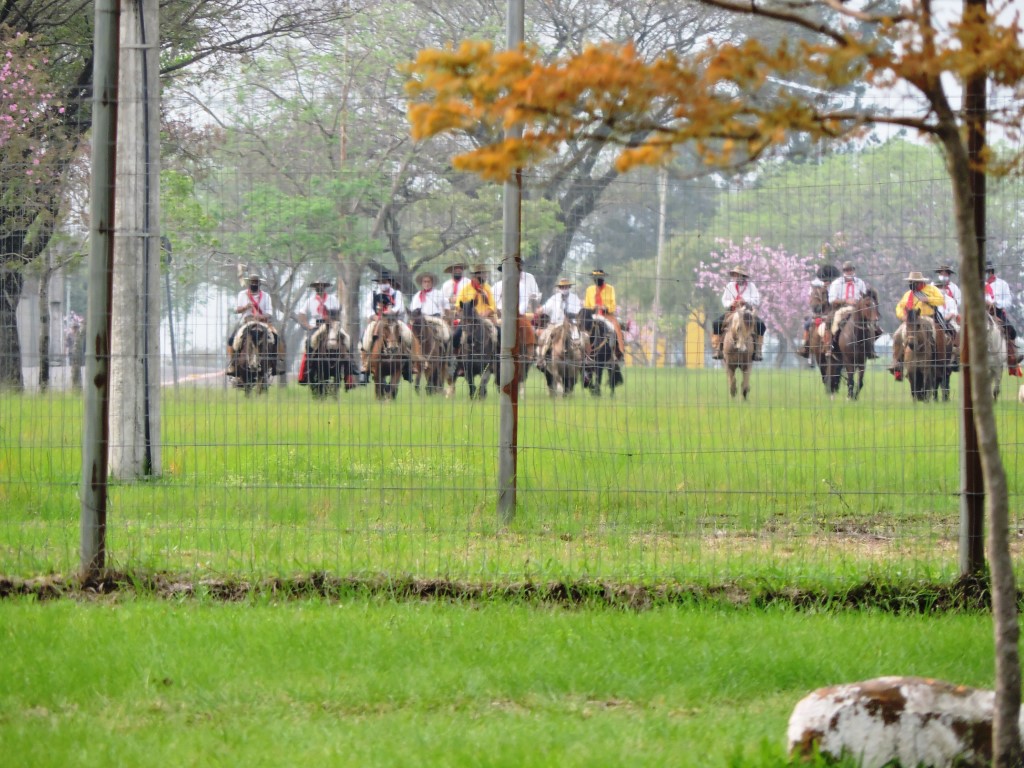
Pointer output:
x,y
141,682
670,480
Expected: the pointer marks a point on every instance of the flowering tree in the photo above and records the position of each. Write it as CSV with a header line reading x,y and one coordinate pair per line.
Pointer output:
x,y
781,278
734,102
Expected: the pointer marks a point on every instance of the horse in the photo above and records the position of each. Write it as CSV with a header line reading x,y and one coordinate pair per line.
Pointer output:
x,y
386,358
600,355
995,352
738,347
821,355
919,355
856,337
479,350
256,357
433,365
568,352
328,363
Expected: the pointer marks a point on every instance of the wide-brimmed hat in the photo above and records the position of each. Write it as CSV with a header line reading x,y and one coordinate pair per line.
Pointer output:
x,y
564,282
431,275
946,268
599,273
254,276
479,269
739,271
385,277
990,267
453,266
320,281
849,265
916,277
828,272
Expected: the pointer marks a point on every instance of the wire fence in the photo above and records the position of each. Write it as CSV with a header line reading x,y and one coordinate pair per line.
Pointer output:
x,y
665,477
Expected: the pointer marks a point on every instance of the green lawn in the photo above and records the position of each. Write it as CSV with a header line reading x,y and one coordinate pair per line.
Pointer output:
x,y
669,480
143,682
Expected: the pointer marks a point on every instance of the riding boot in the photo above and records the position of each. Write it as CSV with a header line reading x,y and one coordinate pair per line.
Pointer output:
x,y
230,370
758,341
805,346
716,346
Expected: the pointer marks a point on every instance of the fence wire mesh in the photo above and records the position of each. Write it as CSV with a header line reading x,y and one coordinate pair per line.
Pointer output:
x,y
666,477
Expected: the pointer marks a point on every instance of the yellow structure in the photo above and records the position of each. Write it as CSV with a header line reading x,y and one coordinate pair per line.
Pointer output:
x,y
640,351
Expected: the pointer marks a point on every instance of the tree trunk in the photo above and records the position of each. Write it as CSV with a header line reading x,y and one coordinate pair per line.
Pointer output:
x,y
1006,745
135,331
44,330
11,282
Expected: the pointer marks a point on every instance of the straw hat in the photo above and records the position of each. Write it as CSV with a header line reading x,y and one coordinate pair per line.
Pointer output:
x,y
479,269
599,273
916,277
739,272
320,281
564,282
453,266
849,266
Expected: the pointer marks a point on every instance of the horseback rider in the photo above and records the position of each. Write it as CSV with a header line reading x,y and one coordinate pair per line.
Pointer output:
x,y
316,310
452,287
817,298
563,302
927,300
998,299
600,297
478,293
253,304
529,298
433,305
843,294
387,301
950,312
738,291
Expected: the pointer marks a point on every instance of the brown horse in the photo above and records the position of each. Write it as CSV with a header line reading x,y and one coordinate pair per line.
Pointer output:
x,y
386,358
568,345
434,353
257,356
856,338
328,361
479,351
738,347
600,354
919,355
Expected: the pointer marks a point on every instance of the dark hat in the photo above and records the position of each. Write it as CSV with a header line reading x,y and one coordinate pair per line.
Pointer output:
x,y
599,273
254,276
453,266
319,281
431,275
916,277
990,267
946,268
739,271
385,277
564,282
849,265
828,272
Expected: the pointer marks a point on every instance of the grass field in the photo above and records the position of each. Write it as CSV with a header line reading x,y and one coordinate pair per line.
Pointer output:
x,y
668,481
138,682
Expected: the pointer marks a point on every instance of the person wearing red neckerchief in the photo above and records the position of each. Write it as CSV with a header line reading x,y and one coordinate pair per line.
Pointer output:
x,y
738,291
844,292
951,311
478,293
253,304
600,297
319,308
998,299
432,304
452,287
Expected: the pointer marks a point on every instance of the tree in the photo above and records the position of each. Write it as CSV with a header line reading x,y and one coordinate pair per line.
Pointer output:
x,y
197,38
732,103
781,278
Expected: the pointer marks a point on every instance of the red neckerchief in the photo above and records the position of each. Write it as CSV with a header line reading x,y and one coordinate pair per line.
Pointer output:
x,y
598,298
988,286
456,282
255,301
321,305
739,293
423,295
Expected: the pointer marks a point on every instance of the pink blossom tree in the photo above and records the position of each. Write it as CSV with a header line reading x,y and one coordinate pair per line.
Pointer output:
x,y
782,279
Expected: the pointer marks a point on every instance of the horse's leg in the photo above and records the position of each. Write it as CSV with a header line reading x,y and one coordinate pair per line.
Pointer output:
x,y
746,379
730,373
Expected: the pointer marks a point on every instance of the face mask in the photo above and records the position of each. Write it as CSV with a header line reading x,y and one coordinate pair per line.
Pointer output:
x,y
457,275
942,279
254,287
600,281
848,276
563,290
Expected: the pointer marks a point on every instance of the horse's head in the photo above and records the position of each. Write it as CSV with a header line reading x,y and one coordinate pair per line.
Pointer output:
x,y
387,333
866,309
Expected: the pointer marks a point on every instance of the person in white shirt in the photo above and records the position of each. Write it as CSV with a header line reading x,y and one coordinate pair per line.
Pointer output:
x,y
387,301
452,287
252,304
432,305
562,303
529,298
944,283
844,292
999,298
817,299
738,291
319,307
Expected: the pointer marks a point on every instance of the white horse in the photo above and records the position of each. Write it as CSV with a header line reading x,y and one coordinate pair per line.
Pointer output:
x,y
995,357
